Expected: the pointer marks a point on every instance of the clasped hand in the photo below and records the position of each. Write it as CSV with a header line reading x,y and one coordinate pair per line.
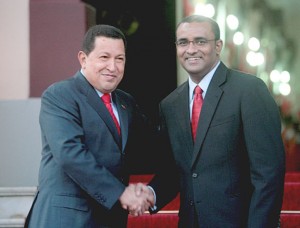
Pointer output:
x,y
137,198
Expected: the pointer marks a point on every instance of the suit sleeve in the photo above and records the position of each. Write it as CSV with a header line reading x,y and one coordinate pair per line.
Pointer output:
x,y
262,134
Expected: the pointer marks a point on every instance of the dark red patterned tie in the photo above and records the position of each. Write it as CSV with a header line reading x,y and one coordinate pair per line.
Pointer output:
x,y
196,109
107,101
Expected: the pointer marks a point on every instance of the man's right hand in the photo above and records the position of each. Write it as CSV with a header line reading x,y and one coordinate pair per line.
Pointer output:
x,y
137,198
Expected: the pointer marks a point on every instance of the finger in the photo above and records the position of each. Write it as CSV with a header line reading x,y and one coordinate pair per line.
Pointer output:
x,y
134,213
139,212
124,206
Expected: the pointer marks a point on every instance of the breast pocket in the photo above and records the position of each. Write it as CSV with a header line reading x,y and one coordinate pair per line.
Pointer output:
x,y
221,121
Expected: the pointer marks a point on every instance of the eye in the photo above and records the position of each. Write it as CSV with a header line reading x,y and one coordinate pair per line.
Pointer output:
x,y
120,59
103,57
182,42
200,41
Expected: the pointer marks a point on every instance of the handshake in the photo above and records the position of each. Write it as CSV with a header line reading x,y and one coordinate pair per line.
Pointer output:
x,y
137,198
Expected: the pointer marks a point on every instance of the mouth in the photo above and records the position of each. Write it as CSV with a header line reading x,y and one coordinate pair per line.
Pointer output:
x,y
192,60
109,76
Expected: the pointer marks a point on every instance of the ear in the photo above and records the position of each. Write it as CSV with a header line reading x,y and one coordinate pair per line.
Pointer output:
x,y
82,59
219,46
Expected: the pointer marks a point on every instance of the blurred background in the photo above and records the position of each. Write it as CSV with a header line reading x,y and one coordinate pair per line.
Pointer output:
x,y
40,40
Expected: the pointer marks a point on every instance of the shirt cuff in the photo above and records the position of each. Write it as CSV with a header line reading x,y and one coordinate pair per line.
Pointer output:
x,y
154,207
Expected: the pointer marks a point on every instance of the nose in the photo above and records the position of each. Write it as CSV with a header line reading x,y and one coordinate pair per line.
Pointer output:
x,y
111,65
191,47
191,41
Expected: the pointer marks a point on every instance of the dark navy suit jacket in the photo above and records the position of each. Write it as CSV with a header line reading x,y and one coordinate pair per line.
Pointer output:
x,y
84,167
233,175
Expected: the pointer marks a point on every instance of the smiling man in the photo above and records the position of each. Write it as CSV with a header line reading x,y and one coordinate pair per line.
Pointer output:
x,y
223,145
89,129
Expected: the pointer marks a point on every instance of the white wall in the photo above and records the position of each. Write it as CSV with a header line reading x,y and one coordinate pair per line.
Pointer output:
x,y
20,147
14,43
20,144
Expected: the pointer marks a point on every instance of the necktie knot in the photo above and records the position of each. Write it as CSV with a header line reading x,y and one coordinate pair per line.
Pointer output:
x,y
198,90
106,98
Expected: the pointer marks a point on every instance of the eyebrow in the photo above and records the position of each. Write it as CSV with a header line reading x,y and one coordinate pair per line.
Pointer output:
x,y
199,37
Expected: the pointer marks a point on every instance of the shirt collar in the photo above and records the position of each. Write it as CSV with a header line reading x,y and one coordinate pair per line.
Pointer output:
x,y
204,83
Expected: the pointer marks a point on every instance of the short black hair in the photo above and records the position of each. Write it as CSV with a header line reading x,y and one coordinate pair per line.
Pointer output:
x,y
109,31
200,18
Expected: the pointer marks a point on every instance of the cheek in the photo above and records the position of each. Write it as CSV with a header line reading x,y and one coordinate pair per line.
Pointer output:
x,y
120,78
91,66
179,53
121,67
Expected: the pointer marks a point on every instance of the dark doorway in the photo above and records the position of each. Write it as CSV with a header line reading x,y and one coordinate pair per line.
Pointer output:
x,y
151,58
150,73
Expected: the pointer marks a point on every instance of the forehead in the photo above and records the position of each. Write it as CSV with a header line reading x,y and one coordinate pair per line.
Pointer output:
x,y
109,44
194,29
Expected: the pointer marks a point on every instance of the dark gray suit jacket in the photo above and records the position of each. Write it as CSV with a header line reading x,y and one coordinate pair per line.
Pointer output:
x,y
233,176
84,167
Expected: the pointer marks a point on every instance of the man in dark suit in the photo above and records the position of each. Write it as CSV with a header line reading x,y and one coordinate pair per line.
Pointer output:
x,y
232,173
84,169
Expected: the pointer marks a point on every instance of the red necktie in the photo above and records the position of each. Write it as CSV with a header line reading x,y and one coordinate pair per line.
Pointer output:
x,y
107,101
196,109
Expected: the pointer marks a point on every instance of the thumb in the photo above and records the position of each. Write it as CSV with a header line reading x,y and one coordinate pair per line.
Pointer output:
x,y
139,189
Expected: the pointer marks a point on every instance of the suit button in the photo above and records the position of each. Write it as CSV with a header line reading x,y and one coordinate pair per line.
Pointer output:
x,y
194,175
191,202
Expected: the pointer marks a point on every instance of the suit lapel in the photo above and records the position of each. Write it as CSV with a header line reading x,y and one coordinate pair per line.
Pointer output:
x,y
94,100
183,118
123,117
211,100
